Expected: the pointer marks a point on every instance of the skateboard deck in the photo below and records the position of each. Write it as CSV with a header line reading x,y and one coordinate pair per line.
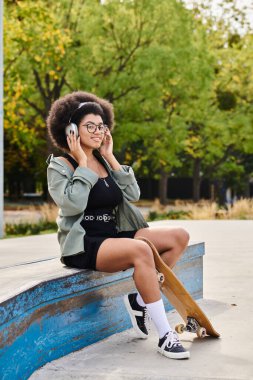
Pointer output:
x,y
195,319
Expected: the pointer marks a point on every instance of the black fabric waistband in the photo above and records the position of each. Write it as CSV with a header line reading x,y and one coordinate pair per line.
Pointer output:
x,y
99,212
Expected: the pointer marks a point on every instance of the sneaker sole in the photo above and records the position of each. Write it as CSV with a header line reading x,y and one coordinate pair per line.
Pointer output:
x,y
172,355
134,323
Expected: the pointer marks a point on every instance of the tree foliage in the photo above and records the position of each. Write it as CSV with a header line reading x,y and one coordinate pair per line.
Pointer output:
x,y
179,79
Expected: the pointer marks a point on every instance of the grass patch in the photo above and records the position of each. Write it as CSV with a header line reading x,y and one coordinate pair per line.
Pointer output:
x,y
176,214
203,210
26,229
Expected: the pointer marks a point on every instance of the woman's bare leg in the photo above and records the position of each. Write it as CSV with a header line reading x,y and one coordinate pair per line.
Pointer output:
x,y
116,254
170,242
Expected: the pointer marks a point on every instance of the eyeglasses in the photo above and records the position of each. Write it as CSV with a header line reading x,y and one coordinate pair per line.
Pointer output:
x,y
92,127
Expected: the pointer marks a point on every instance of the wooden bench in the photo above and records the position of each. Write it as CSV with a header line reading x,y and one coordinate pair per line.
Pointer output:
x,y
50,310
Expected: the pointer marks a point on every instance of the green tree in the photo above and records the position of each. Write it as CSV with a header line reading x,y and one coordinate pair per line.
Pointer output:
x,y
37,45
218,126
181,89
140,66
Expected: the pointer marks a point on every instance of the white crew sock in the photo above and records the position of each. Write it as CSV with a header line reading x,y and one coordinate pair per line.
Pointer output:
x,y
140,300
157,313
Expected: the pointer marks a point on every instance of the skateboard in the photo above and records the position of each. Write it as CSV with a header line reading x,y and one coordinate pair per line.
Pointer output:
x,y
195,319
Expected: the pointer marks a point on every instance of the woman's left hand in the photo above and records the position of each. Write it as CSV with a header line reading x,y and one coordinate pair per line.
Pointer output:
x,y
107,144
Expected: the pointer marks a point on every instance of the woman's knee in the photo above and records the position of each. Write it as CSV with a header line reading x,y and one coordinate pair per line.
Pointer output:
x,y
182,237
143,254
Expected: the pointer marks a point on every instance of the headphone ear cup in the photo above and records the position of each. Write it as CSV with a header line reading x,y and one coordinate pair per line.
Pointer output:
x,y
75,129
72,127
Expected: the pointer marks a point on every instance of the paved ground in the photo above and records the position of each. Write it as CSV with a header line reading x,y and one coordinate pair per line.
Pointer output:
x,y
29,249
228,300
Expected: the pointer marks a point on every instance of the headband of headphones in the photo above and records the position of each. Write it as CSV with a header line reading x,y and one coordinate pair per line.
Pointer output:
x,y
80,105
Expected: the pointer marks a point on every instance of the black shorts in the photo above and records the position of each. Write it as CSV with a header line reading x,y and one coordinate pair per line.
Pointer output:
x,y
87,259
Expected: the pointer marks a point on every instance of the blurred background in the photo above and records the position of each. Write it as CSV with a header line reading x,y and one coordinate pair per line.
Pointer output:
x,y
180,77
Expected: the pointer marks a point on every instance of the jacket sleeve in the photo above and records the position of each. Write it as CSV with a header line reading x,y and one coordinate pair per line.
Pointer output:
x,y
71,194
126,180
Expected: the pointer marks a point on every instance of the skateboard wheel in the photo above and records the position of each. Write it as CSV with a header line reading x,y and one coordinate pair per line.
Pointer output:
x,y
180,328
201,332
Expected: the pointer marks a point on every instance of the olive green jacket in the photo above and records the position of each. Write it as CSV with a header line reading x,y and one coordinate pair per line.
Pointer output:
x,y
70,191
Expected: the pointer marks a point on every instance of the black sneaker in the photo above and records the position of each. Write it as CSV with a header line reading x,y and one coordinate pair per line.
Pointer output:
x,y
138,314
170,346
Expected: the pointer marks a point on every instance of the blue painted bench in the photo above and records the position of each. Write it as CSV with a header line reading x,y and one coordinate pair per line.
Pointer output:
x,y
55,310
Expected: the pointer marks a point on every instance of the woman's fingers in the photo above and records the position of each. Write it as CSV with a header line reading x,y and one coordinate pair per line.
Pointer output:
x,y
78,142
72,141
106,136
69,141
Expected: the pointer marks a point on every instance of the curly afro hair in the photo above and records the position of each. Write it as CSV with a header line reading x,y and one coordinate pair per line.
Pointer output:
x,y
65,110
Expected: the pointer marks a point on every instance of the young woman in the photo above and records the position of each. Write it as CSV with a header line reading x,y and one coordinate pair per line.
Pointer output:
x,y
97,224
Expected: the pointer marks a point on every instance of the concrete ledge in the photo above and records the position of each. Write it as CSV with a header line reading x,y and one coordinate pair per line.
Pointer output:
x,y
49,310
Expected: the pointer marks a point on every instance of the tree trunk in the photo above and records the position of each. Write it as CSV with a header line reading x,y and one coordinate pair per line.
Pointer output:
x,y
163,186
212,192
196,179
247,188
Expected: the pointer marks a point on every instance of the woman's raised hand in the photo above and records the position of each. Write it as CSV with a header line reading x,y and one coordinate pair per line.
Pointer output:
x,y
76,149
106,148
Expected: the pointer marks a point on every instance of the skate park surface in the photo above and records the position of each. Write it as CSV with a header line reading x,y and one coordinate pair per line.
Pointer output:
x,y
228,302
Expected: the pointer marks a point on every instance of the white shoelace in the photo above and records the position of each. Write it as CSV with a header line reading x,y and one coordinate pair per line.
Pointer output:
x,y
172,340
147,318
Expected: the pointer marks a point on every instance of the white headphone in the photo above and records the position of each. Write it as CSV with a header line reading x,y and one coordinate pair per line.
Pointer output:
x,y
73,126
